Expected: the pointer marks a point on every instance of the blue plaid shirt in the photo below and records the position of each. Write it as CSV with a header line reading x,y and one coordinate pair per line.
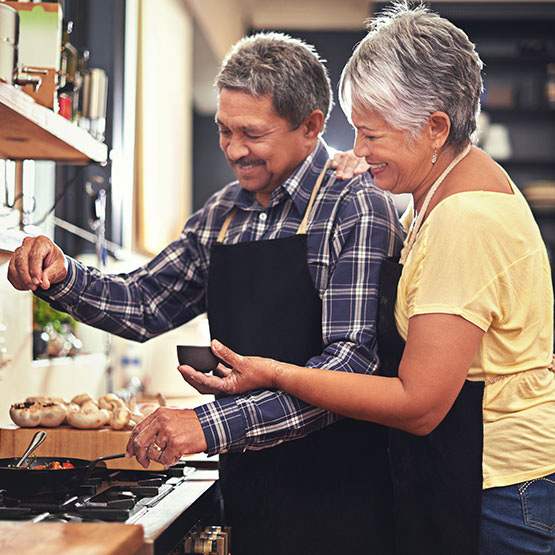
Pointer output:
x,y
352,227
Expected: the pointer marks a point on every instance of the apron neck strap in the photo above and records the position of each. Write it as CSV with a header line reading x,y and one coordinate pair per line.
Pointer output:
x,y
411,238
227,221
302,226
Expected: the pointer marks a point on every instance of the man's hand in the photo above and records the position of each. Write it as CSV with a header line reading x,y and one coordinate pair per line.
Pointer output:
x,y
165,435
37,262
346,165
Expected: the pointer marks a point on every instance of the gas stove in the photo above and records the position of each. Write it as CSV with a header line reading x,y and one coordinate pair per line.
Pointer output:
x,y
167,504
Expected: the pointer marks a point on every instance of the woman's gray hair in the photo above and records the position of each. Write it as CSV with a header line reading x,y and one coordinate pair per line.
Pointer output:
x,y
287,68
411,64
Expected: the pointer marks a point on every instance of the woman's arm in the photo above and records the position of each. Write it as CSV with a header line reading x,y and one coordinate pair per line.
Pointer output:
x,y
437,356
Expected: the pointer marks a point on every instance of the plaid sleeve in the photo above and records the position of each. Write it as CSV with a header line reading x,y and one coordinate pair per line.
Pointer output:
x,y
366,231
161,295
257,420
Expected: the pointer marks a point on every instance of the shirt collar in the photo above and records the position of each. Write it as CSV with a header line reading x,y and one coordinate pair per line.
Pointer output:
x,y
301,182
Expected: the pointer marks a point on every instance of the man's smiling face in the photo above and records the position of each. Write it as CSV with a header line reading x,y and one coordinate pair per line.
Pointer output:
x,y
259,145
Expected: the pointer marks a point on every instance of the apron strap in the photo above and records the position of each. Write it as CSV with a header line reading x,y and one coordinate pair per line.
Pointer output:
x,y
302,227
227,221
409,242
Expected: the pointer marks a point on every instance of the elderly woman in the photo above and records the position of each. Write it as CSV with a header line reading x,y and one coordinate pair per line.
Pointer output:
x,y
466,315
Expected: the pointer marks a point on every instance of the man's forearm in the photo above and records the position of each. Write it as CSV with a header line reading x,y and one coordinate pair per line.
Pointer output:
x,y
259,419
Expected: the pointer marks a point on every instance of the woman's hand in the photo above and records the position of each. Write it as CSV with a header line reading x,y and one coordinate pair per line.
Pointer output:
x,y
346,165
246,374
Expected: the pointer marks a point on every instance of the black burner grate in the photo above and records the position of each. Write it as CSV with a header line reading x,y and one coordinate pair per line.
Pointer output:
x,y
109,495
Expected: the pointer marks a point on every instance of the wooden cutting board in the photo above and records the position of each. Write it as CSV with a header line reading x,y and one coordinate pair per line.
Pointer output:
x,y
69,442
76,538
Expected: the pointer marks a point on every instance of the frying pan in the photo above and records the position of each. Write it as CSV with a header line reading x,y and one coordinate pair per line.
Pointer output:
x,y
26,481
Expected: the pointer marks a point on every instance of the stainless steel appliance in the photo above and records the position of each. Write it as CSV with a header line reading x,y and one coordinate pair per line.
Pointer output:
x,y
167,504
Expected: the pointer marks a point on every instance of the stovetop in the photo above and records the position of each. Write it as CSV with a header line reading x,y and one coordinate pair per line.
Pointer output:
x,y
108,496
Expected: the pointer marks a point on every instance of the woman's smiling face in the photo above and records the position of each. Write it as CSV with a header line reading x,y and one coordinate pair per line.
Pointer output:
x,y
396,165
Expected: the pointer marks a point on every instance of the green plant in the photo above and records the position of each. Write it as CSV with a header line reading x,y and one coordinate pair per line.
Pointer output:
x,y
44,314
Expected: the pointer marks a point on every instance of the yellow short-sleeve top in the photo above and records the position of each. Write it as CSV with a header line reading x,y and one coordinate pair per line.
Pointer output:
x,y
479,255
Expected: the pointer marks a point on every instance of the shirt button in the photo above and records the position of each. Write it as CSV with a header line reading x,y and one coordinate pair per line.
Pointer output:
x,y
263,216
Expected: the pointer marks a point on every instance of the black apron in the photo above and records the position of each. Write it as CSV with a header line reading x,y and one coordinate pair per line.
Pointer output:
x,y
437,478
330,492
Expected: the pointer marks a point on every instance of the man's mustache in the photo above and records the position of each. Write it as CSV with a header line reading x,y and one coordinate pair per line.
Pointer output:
x,y
246,162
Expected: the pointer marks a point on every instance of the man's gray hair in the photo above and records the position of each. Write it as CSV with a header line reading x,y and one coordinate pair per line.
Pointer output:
x,y
411,64
287,68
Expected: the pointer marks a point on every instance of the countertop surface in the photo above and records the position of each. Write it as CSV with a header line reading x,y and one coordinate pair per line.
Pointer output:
x,y
54,538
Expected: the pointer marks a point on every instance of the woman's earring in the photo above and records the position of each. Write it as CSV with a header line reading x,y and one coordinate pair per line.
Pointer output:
x,y
434,156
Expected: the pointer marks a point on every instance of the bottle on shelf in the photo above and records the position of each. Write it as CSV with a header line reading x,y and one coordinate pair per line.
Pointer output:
x,y
82,70
67,90
94,101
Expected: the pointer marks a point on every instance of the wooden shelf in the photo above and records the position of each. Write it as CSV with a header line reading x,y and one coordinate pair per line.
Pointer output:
x,y
30,131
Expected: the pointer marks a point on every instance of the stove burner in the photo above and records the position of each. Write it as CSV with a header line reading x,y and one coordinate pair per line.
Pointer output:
x,y
113,497
42,500
109,495
168,504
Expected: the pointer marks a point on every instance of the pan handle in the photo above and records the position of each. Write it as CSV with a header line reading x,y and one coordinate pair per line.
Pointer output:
x,y
94,462
108,458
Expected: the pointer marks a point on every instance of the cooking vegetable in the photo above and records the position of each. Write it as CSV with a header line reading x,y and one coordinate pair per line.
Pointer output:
x,y
53,465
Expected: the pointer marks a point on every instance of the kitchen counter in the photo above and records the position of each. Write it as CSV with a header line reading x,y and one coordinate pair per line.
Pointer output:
x,y
53,538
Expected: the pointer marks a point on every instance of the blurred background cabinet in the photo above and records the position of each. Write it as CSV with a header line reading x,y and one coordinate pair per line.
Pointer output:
x,y
516,41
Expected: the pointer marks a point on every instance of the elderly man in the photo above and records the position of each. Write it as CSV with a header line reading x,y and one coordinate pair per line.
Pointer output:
x,y
285,260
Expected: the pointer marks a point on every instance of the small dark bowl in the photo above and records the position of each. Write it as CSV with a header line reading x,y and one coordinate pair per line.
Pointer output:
x,y
200,358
